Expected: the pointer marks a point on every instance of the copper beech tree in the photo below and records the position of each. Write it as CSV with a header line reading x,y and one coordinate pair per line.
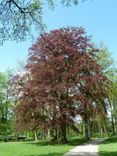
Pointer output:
x,y
63,80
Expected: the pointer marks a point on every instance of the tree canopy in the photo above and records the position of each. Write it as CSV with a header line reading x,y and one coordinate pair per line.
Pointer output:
x,y
19,18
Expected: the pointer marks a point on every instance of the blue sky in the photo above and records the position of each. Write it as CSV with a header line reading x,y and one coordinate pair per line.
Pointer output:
x,y
98,17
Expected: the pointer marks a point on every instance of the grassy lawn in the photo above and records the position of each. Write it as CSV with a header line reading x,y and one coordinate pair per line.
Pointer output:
x,y
40,148
109,147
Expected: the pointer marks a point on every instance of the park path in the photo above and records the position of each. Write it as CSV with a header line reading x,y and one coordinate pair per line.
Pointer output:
x,y
88,149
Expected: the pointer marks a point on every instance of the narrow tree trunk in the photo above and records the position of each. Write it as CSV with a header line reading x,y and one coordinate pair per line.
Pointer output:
x,y
63,137
113,125
5,137
35,135
86,128
91,129
54,129
68,130
16,136
48,133
116,125
101,130
112,118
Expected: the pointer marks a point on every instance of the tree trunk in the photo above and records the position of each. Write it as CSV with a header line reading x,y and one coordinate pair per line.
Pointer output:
x,y
16,136
113,125
86,128
112,117
35,135
54,130
63,133
116,125
91,128
5,137
48,133
63,137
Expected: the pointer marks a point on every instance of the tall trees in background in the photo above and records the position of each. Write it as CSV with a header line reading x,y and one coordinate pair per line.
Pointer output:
x,y
6,105
109,69
113,104
63,80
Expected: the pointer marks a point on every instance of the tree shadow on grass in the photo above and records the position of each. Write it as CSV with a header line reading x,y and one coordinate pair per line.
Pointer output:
x,y
110,140
105,153
50,154
76,141
41,143
71,142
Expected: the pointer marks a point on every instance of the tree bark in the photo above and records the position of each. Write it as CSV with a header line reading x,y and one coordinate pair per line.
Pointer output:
x,y
116,125
63,137
63,133
35,135
113,124
86,128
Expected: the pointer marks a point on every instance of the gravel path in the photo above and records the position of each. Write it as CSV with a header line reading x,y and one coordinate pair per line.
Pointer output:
x,y
89,149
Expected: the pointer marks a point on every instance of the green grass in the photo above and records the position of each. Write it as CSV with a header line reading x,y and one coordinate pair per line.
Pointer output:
x,y
109,147
40,148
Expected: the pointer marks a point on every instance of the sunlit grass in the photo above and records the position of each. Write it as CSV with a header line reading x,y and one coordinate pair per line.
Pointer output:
x,y
109,147
40,148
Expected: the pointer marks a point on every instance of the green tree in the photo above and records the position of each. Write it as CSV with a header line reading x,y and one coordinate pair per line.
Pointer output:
x,y
108,68
19,18
105,60
112,97
5,105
